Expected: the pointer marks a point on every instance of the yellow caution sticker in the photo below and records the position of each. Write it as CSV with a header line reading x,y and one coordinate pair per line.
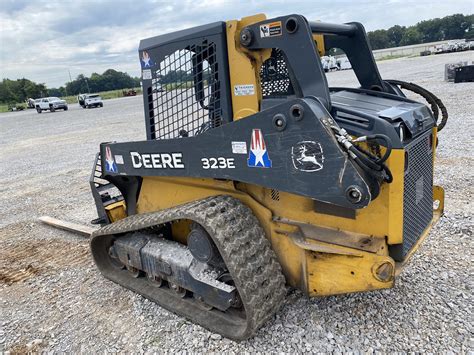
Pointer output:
x,y
270,29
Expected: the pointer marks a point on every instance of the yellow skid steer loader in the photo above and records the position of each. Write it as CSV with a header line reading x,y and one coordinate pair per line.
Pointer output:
x,y
255,174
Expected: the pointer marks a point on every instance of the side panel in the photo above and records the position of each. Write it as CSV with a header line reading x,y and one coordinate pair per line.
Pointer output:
x,y
330,274
383,217
316,268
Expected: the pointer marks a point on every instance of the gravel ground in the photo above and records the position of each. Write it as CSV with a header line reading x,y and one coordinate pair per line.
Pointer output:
x,y
53,299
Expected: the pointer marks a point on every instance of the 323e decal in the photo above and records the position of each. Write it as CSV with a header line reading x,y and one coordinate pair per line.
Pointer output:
x,y
218,163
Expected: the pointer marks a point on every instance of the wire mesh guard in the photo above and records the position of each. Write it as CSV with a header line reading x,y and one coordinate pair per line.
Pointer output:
x,y
274,76
418,191
184,99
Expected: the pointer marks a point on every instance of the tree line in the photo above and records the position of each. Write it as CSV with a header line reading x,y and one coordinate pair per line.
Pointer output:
x,y
109,80
12,91
439,29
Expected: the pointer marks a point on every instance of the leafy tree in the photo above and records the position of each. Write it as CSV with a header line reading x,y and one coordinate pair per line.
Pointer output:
x,y
411,36
378,39
469,34
395,34
470,26
449,27
431,30
77,86
109,80
58,92
33,90
12,91
6,93
455,26
176,76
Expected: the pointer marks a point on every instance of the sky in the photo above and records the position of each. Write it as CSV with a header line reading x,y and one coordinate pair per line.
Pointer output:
x,y
44,41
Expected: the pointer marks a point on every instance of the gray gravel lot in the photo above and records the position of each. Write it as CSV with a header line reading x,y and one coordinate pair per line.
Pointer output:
x,y
53,299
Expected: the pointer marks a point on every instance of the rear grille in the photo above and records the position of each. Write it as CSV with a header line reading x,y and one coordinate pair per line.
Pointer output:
x,y
418,191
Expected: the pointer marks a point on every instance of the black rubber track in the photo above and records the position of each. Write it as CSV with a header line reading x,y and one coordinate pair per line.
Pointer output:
x,y
243,246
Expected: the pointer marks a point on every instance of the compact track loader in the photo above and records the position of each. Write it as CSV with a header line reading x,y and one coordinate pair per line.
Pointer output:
x,y
255,174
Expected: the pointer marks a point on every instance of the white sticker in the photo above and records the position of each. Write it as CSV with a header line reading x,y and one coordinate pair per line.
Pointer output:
x,y
119,159
146,74
239,147
244,90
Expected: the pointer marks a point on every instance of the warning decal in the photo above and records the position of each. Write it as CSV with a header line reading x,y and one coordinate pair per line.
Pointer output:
x,y
270,29
244,90
239,147
146,74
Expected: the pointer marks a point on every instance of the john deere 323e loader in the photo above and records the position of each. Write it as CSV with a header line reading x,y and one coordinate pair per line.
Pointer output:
x,y
255,174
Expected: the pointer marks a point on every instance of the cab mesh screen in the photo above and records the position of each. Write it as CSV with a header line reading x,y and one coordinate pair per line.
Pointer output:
x,y
184,99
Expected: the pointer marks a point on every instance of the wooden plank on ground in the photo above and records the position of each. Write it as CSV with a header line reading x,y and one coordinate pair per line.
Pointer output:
x,y
68,226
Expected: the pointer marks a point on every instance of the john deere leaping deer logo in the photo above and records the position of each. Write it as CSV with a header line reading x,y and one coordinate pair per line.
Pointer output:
x,y
307,156
271,66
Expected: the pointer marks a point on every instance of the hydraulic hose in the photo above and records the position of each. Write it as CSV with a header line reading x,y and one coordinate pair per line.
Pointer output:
x,y
378,170
374,137
364,158
368,162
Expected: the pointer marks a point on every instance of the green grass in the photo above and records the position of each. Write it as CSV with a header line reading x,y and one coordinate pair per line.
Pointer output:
x,y
179,85
388,57
4,107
